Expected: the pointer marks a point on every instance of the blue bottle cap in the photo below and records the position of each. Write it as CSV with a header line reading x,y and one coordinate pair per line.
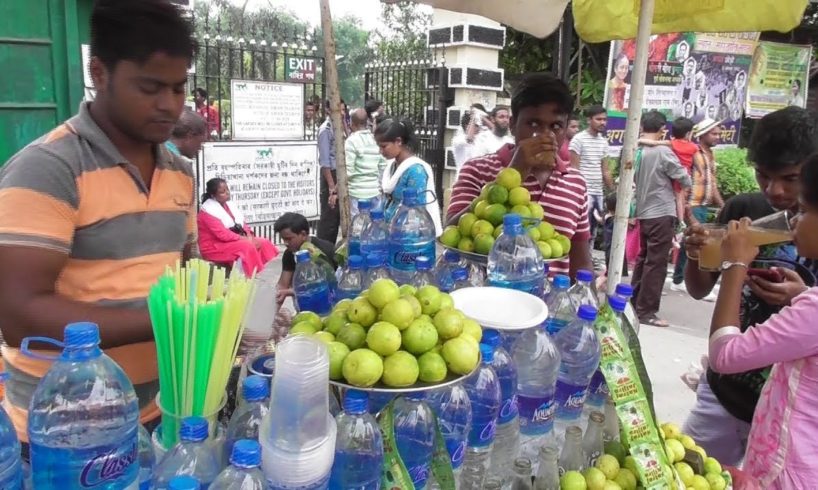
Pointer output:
x,y
460,274
410,197
356,262
587,312
246,454
562,281
511,220
585,275
451,256
491,337
356,401
373,260
423,263
255,388
624,290
617,303
365,205
376,214
81,334
302,256
487,351
183,482
194,429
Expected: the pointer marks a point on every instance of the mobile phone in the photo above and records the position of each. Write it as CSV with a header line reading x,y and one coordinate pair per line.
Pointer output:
x,y
766,274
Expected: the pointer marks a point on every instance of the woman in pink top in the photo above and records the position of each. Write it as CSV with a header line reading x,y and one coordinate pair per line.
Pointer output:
x,y
783,443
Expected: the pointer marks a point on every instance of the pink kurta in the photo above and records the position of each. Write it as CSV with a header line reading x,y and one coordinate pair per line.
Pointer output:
x,y
783,444
217,243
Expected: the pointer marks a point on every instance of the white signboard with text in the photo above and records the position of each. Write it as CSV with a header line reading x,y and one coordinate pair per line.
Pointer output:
x,y
267,179
266,111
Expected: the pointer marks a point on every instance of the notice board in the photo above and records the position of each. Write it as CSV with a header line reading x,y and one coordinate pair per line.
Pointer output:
x,y
265,111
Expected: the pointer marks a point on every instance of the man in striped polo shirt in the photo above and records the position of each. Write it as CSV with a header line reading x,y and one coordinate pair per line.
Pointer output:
x,y
93,212
364,162
589,154
540,108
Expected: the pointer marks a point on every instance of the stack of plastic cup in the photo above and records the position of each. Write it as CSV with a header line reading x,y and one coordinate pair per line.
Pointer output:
x,y
298,435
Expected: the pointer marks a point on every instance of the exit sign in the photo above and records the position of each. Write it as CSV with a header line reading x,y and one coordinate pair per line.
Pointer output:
x,y
301,69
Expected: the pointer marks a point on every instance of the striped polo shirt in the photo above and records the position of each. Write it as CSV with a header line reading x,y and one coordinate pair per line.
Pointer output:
x,y
364,165
591,150
73,192
563,200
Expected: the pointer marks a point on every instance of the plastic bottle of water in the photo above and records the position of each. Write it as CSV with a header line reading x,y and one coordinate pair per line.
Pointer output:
x,y
351,283
375,269
515,261
572,458
546,284
460,279
598,388
624,290
359,223
561,309
147,459
358,447
374,239
522,475
192,456
411,235
415,436
246,420
454,415
378,401
483,388
548,473
579,354
243,472
581,292
310,284
83,418
424,275
538,363
11,468
184,482
592,442
445,269
507,437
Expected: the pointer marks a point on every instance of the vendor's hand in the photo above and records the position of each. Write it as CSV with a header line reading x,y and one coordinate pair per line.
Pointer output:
x,y
778,293
737,245
537,152
283,294
695,238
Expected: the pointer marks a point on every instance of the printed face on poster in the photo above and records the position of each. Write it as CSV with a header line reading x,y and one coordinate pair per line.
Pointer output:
x,y
779,77
690,75
265,111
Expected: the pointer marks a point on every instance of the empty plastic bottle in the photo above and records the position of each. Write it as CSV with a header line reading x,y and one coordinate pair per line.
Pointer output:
x,y
379,400
538,362
243,472
592,444
246,420
375,269
11,469
507,436
191,456
411,235
483,388
572,457
561,309
521,474
147,459
184,482
359,222
415,436
312,292
424,276
358,447
582,292
548,472
579,359
514,261
375,237
492,483
454,414
351,283
445,269
83,418
460,279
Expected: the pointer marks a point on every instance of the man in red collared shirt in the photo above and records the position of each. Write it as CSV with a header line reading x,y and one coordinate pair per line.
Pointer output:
x,y
540,108
207,111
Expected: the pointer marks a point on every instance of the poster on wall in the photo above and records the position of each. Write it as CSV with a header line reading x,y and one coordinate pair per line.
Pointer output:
x,y
266,179
779,77
692,75
265,111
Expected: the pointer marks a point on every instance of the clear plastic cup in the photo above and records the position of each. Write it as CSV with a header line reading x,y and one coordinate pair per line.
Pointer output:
x,y
297,469
171,419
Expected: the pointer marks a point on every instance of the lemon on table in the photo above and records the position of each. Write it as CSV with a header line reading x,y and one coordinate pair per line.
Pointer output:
x,y
480,208
465,245
534,233
494,214
522,210
362,368
546,230
465,223
509,178
481,226
519,196
383,338
450,236
545,249
497,231
556,248
420,337
565,242
309,317
536,210
432,368
483,243
400,370
497,194
382,292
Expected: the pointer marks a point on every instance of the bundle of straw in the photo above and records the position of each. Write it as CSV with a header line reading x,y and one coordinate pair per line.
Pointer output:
x,y
190,319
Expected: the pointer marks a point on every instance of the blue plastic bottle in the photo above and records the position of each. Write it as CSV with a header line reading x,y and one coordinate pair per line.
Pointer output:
x,y
311,288
581,292
375,269
243,472
424,275
358,447
483,388
515,261
375,237
191,456
561,309
351,283
579,359
598,388
83,418
246,420
460,279
507,436
147,459
445,269
184,482
538,363
453,409
11,468
415,436
411,235
358,225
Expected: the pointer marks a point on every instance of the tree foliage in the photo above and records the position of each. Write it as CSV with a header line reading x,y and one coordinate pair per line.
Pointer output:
x,y
402,35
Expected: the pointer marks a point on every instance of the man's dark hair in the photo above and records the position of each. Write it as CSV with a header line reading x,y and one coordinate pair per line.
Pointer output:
x,y
782,138
573,117
809,181
294,222
309,103
327,103
135,30
680,127
536,89
497,109
595,110
201,92
372,105
653,121
189,123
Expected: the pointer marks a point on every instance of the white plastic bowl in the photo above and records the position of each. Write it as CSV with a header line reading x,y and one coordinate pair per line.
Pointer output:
x,y
500,308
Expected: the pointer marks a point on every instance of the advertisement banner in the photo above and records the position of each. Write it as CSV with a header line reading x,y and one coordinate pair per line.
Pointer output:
x,y
689,75
779,77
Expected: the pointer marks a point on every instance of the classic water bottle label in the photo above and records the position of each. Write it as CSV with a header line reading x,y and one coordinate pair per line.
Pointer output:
x,y
597,390
402,257
570,400
482,432
536,414
419,474
107,467
508,411
457,449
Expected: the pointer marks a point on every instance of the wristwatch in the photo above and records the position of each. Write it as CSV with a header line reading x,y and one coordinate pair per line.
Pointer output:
x,y
728,265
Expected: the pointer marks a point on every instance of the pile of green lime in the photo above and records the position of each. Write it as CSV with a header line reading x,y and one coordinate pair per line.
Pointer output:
x,y
395,335
477,229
